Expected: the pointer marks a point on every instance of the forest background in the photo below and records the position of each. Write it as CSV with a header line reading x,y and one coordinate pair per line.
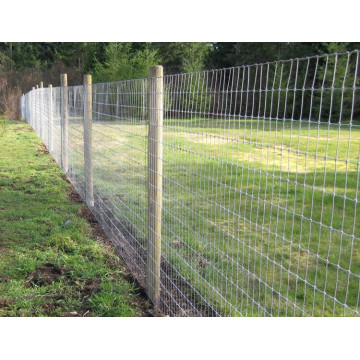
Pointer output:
x,y
24,64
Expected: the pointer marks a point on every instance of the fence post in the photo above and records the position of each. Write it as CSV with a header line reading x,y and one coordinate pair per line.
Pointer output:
x,y
23,106
32,109
36,109
154,182
20,105
88,156
143,99
41,106
50,132
64,123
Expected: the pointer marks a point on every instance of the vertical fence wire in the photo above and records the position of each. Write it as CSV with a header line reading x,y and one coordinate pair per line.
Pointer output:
x,y
260,182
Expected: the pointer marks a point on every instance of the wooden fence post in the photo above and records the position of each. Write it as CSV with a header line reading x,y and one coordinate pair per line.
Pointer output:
x,y
143,99
88,151
22,105
41,111
36,108
32,108
64,123
50,131
154,182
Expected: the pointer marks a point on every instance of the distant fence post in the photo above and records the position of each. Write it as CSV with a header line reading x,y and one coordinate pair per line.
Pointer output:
x,y
88,155
41,110
143,99
32,109
21,105
154,182
37,108
64,123
50,131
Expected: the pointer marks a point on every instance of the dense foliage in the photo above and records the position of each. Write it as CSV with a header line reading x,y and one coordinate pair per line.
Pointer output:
x,y
22,65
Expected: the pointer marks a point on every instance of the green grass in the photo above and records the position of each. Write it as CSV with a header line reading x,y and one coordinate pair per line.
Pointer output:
x,y
233,225
39,226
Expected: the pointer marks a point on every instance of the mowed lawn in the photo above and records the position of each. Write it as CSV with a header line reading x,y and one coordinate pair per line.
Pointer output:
x,y
260,217
51,261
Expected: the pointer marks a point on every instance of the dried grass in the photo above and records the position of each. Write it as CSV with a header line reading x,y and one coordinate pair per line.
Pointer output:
x,y
9,101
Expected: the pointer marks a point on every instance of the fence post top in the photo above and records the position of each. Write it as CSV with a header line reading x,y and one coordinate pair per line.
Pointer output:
x,y
87,79
49,85
155,70
63,80
41,84
37,86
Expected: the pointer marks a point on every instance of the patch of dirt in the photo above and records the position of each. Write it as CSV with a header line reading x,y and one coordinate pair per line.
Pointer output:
x,y
45,275
5,279
42,153
73,196
90,287
52,302
6,303
42,150
3,248
140,292
97,230
49,308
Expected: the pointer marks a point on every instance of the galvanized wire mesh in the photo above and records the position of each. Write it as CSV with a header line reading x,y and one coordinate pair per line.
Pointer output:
x,y
260,183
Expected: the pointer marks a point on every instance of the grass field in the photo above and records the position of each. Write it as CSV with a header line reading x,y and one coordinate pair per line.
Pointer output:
x,y
51,262
260,217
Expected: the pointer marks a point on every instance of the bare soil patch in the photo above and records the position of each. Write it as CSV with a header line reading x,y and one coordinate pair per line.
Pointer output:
x,y
91,286
6,303
42,150
44,275
4,279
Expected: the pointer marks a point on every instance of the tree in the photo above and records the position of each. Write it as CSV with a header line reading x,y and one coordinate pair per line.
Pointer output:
x,y
122,62
183,56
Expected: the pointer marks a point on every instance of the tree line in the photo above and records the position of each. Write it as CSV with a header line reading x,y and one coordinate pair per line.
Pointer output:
x,y
22,65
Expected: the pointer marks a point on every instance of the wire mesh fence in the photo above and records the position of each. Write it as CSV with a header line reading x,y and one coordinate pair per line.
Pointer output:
x,y
259,169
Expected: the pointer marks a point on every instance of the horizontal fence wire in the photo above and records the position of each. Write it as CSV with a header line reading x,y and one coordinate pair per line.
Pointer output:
x,y
260,182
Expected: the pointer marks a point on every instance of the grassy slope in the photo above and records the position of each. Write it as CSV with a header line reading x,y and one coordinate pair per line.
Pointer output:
x,y
38,226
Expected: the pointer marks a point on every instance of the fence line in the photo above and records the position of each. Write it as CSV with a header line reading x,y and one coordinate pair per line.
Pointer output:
x,y
245,178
